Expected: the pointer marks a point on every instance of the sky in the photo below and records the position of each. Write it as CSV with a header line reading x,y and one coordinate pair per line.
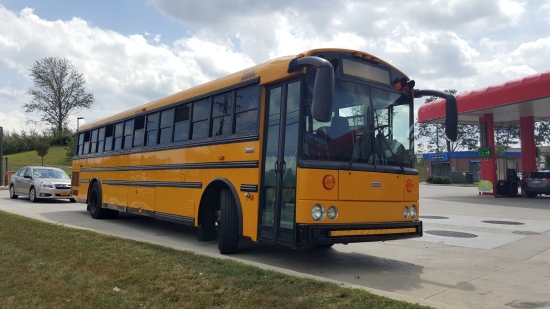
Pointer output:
x,y
134,51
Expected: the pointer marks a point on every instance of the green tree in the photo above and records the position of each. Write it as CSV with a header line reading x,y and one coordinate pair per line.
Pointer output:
x,y
58,92
42,145
69,150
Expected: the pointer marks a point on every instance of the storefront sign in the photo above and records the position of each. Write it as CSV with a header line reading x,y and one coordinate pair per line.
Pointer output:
x,y
441,157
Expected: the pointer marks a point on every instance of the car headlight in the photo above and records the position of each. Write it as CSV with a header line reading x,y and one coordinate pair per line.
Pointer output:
x,y
332,212
46,185
318,212
405,212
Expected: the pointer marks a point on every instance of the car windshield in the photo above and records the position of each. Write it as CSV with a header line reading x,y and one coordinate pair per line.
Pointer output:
x,y
49,173
539,175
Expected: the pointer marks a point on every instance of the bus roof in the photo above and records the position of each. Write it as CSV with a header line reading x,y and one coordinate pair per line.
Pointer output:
x,y
269,71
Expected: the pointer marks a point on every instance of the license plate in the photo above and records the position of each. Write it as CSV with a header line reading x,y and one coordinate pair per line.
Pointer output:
x,y
536,181
64,193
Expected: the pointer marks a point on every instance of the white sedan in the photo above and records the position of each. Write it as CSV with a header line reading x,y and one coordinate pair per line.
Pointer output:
x,y
40,182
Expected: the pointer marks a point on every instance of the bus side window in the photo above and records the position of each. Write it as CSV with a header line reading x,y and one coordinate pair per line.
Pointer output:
x,y
181,126
101,140
80,143
109,137
152,129
93,148
222,108
86,149
118,135
139,130
201,114
128,134
166,124
246,110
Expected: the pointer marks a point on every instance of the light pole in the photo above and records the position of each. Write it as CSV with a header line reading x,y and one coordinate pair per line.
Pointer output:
x,y
78,122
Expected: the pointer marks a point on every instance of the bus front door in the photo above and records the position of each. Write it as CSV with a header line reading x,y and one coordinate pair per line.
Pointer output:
x,y
278,193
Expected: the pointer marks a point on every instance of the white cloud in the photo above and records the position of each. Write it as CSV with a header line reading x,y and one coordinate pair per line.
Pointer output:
x,y
121,71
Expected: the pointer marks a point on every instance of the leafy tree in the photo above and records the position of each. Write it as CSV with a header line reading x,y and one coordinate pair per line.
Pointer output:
x,y
42,146
467,137
69,150
542,133
58,92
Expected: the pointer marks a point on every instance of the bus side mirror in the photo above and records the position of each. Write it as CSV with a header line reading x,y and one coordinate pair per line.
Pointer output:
x,y
451,111
451,119
323,88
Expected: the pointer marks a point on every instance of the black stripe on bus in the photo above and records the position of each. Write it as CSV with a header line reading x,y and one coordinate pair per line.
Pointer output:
x,y
196,185
174,218
84,181
239,164
249,188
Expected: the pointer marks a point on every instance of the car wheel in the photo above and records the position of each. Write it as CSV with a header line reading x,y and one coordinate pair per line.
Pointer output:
x,y
229,221
95,202
12,192
531,194
32,195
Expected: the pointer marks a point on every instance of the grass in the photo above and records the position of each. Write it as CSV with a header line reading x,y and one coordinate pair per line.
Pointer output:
x,y
49,266
55,158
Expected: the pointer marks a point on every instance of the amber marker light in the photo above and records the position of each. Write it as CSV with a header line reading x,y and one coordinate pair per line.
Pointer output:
x,y
329,182
409,185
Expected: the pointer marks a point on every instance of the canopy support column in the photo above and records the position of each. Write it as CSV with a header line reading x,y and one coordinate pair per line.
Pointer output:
x,y
528,149
488,165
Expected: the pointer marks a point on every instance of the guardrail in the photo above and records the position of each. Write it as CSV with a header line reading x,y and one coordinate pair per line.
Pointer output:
x,y
6,177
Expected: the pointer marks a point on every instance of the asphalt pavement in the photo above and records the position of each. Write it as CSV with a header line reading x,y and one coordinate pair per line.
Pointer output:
x,y
476,252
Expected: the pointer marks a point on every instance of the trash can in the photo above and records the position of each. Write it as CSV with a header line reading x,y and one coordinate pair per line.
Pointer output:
x,y
503,187
469,178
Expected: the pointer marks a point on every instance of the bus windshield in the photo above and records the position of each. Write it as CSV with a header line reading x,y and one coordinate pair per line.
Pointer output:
x,y
369,125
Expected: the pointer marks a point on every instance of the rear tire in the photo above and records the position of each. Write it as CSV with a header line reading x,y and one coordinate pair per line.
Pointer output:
x,y
32,195
229,222
95,202
531,195
12,192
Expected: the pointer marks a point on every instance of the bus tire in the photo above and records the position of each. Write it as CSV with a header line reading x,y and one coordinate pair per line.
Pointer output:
x,y
95,203
228,225
207,229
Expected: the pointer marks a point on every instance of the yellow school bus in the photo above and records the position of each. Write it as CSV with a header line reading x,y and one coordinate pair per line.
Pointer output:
x,y
307,150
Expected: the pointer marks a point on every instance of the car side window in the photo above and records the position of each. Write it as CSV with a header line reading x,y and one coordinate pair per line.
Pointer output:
x,y
21,172
28,172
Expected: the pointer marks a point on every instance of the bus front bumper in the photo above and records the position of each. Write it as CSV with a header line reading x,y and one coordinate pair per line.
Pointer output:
x,y
326,234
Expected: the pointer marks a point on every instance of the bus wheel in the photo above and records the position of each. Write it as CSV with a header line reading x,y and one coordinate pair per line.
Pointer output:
x,y
207,230
229,232
95,203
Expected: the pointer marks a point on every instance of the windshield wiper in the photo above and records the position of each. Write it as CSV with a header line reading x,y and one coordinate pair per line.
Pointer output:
x,y
365,138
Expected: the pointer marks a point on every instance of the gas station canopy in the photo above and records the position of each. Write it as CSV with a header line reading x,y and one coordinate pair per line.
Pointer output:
x,y
507,102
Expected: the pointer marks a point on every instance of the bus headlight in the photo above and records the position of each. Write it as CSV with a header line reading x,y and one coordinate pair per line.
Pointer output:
x,y
332,212
413,211
405,212
318,212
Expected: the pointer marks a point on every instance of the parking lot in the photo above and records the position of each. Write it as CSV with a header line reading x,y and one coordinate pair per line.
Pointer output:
x,y
476,252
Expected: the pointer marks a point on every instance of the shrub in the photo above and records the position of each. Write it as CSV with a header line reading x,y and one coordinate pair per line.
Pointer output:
x,y
430,179
438,179
447,180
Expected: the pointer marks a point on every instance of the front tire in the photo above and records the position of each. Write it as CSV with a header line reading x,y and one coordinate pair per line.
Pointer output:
x,y
229,222
95,202
32,195
12,192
